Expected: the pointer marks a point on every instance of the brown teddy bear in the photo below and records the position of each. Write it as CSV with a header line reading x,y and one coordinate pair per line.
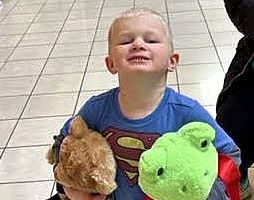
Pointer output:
x,y
86,161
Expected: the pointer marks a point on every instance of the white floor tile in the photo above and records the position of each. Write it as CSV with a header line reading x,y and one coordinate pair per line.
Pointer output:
x,y
4,53
24,134
31,52
9,41
11,107
69,50
76,36
198,55
28,191
50,105
205,92
65,65
192,41
17,86
6,128
39,39
13,29
80,24
58,83
45,27
30,165
99,81
198,73
22,68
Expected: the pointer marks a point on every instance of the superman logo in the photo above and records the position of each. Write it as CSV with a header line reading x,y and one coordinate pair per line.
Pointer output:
x,y
127,148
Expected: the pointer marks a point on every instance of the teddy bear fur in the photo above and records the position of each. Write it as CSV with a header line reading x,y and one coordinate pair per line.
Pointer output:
x,y
86,161
251,175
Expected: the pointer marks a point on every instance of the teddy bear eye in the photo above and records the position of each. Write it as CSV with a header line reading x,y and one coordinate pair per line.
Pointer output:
x,y
160,171
204,143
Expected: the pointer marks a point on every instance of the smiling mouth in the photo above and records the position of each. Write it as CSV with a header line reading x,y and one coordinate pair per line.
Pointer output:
x,y
138,58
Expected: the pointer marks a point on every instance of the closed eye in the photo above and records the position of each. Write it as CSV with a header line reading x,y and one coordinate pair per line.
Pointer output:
x,y
125,42
153,41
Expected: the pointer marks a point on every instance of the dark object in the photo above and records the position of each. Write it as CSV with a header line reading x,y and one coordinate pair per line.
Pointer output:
x,y
55,197
235,104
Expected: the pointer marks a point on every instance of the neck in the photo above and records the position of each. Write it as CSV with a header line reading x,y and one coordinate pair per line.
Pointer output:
x,y
139,100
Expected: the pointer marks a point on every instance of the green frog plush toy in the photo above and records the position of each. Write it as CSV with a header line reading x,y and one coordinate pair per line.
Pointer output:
x,y
181,165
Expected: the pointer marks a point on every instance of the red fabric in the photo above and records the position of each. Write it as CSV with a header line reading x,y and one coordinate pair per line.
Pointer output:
x,y
229,174
147,198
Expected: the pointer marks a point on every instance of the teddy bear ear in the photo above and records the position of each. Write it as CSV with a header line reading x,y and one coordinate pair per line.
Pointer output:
x,y
198,132
78,127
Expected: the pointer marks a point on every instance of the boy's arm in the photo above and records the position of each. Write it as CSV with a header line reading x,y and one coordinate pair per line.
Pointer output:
x,y
241,14
223,142
218,191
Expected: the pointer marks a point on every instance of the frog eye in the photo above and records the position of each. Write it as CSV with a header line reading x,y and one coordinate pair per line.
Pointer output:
x,y
160,171
204,143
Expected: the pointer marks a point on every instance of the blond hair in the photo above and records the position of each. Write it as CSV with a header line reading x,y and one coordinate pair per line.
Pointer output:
x,y
134,12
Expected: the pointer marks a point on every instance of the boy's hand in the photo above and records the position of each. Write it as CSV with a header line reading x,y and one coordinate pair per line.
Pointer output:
x,y
80,195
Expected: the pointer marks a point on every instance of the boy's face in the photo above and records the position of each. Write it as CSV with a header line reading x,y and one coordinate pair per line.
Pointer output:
x,y
139,45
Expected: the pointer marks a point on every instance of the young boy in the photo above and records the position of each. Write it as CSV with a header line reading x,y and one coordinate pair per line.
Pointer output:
x,y
143,108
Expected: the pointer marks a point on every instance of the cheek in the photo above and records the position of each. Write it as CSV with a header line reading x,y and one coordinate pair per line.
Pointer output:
x,y
120,51
161,52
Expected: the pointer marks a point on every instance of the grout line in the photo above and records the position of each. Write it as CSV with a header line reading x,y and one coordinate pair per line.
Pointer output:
x,y
21,38
46,74
12,132
8,13
28,146
85,70
58,35
41,94
171,33
210,34
36,82
89,55
19,182
52,190
35,117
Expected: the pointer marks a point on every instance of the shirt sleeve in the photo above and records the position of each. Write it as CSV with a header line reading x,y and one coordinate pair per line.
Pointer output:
x,y
223,142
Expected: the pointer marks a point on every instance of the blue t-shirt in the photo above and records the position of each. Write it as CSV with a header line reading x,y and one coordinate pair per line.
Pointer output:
x,y
129,138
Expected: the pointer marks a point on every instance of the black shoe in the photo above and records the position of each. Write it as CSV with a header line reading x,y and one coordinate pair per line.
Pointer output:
x,y
55,197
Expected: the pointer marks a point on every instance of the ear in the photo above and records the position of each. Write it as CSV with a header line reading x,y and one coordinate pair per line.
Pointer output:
x,y
78,127
172,62
110,65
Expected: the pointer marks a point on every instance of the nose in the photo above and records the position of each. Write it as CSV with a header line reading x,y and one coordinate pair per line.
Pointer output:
x,y
139,44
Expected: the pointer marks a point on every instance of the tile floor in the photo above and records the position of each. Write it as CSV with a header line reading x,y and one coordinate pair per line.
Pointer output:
x,y
51,60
